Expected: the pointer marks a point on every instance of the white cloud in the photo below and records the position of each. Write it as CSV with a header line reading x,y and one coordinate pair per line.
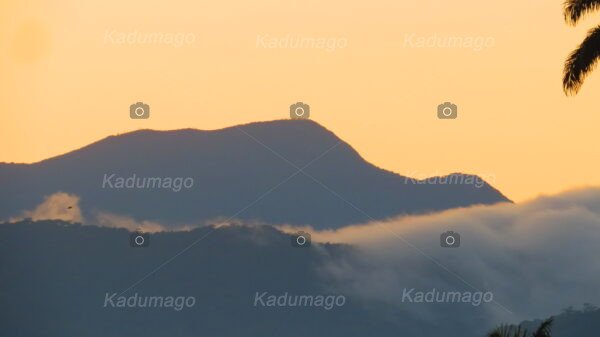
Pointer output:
x,y
58,206
537,257
65,206
106,219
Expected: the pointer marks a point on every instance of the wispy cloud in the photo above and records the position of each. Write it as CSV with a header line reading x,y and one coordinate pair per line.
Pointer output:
x,y
58,206
65,206
537,257
106,219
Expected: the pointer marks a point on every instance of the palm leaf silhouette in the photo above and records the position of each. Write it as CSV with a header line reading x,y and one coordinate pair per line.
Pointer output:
x,y
576,9
581,62
544,329
508,331
517,331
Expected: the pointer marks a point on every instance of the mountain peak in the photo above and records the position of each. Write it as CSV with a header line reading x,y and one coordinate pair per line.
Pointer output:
x,y
283,171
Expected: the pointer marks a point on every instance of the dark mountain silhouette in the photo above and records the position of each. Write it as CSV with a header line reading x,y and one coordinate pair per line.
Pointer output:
x,y
231,171
572,322
55,277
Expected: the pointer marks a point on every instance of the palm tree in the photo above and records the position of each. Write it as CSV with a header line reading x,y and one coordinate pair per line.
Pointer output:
x,y
516,331
583,59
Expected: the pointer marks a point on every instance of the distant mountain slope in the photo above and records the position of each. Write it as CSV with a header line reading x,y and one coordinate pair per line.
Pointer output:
x,y
233,168
55,277
580,323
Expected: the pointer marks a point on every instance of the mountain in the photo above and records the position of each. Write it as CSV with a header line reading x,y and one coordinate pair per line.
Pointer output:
x,y
250,172
56,277
571,322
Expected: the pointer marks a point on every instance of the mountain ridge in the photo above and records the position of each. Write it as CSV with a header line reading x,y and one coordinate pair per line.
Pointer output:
x,y
320,179
63,271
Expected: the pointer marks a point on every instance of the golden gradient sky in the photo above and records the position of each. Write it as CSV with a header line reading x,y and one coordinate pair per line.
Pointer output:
x,y
65,83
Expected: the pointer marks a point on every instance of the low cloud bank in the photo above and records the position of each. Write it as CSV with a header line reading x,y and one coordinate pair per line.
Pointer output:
x,y
65,206
58,206
537,257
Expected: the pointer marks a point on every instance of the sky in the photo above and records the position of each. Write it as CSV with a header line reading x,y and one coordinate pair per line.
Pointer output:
x,y
70,70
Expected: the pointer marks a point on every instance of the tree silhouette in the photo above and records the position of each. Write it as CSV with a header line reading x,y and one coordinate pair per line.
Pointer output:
x,y
516,331
583,59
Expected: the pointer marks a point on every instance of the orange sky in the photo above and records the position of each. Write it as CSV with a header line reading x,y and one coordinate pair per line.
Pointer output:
x,y
67,80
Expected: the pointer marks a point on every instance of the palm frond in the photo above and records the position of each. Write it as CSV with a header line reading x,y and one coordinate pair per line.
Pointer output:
x,y
500,331
576,9
508,331
581,62
544,329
